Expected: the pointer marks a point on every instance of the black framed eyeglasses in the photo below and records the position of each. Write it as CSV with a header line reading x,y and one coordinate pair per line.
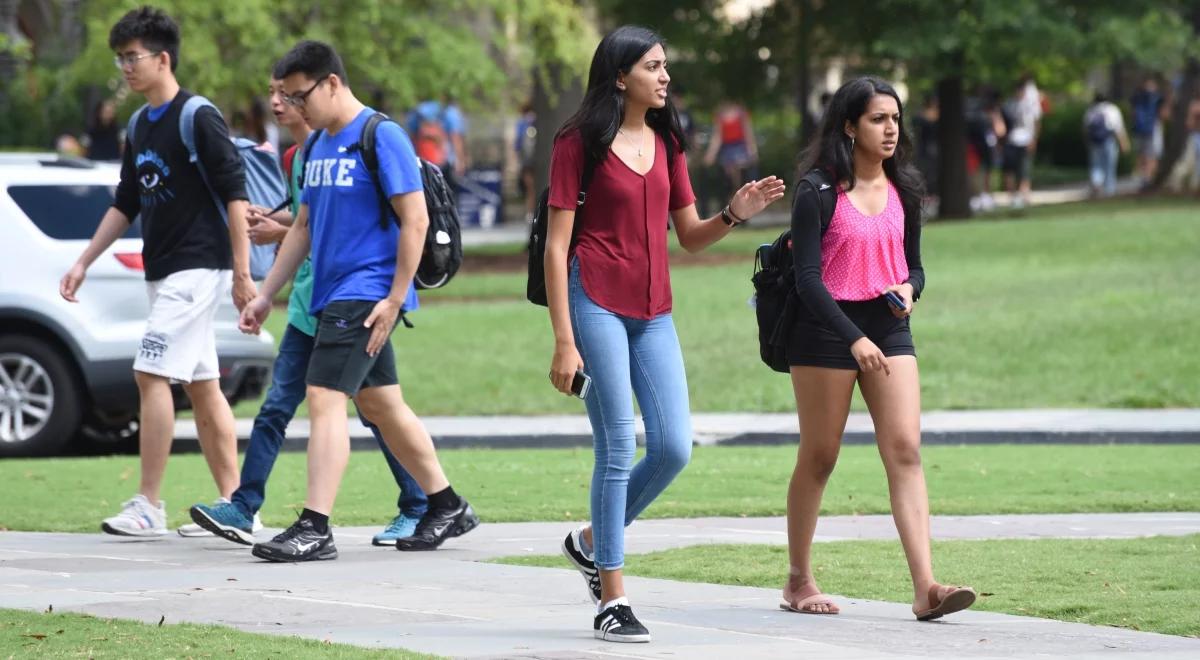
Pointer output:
x,y
130,61
298,100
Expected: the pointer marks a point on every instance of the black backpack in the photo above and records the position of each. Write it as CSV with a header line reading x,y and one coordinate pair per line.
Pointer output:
x,y
775,297
443,253
535,285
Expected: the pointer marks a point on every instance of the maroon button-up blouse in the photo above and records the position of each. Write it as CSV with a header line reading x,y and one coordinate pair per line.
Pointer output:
x,y
621,230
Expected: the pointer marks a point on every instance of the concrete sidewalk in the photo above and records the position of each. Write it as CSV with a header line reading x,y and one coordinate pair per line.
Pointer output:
x,y
1082,426
448,602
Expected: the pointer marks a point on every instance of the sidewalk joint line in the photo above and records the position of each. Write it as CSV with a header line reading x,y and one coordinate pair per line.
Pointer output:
x,y
371,606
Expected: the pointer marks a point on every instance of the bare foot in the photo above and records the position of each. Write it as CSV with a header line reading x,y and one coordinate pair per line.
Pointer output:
x,y
804,596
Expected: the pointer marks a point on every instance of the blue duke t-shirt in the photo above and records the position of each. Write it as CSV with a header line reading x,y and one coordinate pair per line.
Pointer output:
x,y
353,257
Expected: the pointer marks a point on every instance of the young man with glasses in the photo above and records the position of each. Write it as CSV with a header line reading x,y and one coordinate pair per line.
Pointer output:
x,y
362,271
191,258
236,520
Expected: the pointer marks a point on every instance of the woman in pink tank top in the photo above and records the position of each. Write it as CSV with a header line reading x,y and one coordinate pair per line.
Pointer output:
x,y
858,272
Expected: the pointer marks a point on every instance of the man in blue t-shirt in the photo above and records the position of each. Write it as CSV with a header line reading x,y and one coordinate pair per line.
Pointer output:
x,y
362,270
236,519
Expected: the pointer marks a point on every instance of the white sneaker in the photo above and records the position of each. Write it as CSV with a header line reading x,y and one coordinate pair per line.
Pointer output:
x,y
192,530
138,517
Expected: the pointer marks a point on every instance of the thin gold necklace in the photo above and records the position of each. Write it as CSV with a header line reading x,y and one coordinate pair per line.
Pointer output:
x,y
641,136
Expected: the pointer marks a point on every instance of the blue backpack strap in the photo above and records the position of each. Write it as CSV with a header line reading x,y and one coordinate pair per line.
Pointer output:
x,y
187,124
133,122
187,133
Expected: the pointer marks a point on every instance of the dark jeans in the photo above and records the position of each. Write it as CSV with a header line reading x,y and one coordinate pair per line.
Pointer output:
x,y
286,392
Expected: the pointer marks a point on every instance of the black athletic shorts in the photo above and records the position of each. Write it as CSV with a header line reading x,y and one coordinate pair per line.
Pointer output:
x,y
1017,161
813,345
339,358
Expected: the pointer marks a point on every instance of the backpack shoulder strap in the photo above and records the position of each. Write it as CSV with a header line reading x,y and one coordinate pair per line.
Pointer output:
x,y
308,147
187,133
366,144
133,122
589,170
187,123
820,181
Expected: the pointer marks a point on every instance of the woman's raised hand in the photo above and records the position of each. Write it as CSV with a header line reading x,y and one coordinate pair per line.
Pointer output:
x,y
755,196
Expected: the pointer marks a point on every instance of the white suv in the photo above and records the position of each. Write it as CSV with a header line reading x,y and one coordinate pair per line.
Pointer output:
x,y
66,369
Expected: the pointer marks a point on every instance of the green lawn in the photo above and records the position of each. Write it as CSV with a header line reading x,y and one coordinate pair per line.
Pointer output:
x,y
1083,305
1140,583
552,484
30,634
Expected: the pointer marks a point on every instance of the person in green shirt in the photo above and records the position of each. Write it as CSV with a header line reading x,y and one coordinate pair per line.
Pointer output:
x,y
234,519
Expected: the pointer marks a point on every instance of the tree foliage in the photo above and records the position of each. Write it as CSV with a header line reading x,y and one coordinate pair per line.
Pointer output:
x,y
403,51
1057,41
993,41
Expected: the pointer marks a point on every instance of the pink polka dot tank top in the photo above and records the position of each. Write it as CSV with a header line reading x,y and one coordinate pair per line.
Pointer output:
x,y
862,255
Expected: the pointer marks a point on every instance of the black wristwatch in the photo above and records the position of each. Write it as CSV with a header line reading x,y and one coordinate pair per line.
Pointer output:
x,y
728,218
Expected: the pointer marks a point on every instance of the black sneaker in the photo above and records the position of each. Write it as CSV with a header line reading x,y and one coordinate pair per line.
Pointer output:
x,y
618,624
570,549
300,542
438,525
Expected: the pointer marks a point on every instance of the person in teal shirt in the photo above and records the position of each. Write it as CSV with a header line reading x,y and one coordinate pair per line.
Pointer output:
x,y
234,519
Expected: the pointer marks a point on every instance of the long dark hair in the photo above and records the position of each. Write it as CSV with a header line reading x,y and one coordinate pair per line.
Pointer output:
x,y
831,149
603,107
96,121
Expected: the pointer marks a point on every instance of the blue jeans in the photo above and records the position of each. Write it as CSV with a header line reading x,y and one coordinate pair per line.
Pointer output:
x,y
625,358
286,392
1102,166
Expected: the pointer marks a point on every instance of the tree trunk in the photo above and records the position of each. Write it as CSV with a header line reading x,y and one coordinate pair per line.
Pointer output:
x,y
553,105
8,29
803,21
1175,132
954,194
71,28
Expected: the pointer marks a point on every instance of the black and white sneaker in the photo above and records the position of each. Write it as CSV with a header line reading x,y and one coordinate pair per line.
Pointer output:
x,y
618,624
438,525
571,549
300,542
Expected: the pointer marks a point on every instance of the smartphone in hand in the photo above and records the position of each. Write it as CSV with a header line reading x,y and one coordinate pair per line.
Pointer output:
x,y
581,384
894,300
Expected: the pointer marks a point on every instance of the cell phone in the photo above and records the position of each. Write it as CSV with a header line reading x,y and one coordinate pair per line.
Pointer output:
x,y
581,384
894,300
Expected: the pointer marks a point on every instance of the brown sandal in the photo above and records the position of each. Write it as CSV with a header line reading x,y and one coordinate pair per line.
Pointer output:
x,y
955,600
815,599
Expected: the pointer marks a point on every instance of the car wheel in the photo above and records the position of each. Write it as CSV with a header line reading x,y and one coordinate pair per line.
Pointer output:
x,y
110,437
39,399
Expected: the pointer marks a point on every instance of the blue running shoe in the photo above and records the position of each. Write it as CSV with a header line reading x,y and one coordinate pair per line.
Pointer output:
x,y
400,527
225,520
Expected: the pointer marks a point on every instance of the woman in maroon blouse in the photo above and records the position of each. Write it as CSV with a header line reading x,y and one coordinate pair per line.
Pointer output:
x,y
609,293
